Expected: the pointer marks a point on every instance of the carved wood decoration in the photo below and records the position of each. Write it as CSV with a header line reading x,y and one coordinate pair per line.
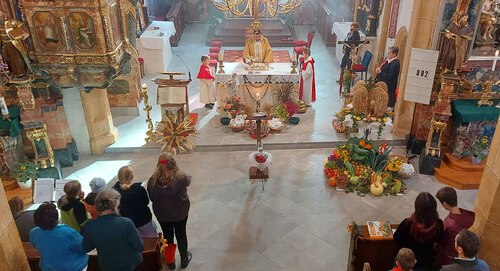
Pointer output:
x,y
81,43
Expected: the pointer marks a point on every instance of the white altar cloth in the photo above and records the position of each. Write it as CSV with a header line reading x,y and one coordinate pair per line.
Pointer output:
x,y
280,72
341,30
154,46
257,82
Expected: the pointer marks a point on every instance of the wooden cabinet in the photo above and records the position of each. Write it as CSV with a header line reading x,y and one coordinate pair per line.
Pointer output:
x,y
176,15
324,23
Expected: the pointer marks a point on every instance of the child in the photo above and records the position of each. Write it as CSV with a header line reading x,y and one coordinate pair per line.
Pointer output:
x,y
73,212
405,260
307,82
134,202
207,85
456,220
96,185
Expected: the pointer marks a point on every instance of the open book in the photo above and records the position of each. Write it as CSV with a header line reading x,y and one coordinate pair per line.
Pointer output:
x,y
379,229
48,189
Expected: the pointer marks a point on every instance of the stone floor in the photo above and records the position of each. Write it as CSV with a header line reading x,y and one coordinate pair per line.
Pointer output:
x,y
296,223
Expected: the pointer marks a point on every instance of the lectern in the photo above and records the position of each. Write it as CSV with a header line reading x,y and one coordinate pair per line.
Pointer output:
x,y
172,95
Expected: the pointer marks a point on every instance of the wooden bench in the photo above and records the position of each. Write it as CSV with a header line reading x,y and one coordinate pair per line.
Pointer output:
x,y
151,256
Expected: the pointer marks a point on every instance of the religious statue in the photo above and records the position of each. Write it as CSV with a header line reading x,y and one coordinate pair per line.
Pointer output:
x,y
487,20
457,37
13,49
257,49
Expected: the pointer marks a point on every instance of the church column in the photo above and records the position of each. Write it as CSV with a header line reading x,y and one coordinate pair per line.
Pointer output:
x,y
487,209
383,31
423,24
97,114
12,256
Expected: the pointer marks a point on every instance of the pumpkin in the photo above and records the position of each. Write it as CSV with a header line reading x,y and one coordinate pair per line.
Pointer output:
x,y
376,189
332,182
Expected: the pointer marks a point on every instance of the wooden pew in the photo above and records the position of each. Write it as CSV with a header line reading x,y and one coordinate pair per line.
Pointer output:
x,y
379,253
151,256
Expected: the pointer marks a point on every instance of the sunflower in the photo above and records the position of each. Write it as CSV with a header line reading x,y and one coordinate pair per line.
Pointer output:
x,y
484,140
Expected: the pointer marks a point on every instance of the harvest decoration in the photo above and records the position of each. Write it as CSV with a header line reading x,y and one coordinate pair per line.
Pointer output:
x,y
173,134
364,167
233,106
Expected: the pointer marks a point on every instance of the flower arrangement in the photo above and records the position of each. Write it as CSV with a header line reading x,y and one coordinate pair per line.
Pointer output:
x,y
233,106
347,79
480,147
24,171
291,107
281,112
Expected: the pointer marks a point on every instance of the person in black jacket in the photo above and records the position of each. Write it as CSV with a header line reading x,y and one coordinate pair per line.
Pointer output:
x,y
421,231
352,36
389,74
134,202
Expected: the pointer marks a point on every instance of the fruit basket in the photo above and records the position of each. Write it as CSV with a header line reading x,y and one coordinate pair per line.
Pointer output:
x,y
260,157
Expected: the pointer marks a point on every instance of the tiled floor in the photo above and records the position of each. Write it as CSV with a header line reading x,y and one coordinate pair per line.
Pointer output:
x,y
296,223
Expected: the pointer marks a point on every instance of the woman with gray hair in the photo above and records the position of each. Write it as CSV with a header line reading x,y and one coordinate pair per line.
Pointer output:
x,y
116,239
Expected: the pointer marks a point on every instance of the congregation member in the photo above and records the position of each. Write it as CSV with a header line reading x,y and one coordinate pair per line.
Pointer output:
x,y
24,219
257,49
59,245
307,91
421,231
73,211
467,245
457,220
134,202
405,260
207,83
96,185
167,188
353,35
116,239
388,73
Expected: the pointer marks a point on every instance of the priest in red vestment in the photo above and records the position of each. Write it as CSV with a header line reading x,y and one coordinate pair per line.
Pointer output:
x,y
307,91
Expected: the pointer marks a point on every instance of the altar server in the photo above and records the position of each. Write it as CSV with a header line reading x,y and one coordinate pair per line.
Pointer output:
x,y
207,83
307,82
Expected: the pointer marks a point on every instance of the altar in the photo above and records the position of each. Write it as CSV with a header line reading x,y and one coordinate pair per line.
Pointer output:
x,y
265,82
154,46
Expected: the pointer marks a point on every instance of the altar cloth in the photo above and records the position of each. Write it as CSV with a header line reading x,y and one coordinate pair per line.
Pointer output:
x,y
468,111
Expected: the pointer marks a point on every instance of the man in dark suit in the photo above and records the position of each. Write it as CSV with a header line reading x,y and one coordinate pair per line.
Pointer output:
x,y
389,74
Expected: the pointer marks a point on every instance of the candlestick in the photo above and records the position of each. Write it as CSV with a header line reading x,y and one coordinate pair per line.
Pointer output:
x,y
257,96
495,61
219,56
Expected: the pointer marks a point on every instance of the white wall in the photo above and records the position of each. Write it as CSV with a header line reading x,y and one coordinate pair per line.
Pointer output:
x,y
76,119
404,17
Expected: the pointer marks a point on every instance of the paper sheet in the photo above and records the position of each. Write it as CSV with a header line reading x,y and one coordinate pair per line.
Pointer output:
x,y
43,190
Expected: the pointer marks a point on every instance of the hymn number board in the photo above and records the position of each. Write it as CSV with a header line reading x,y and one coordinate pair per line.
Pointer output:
x,y
421,72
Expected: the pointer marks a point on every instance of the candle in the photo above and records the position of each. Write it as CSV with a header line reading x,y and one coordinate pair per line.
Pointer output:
x,y
3,106
257,96
219,56
294,57
495,61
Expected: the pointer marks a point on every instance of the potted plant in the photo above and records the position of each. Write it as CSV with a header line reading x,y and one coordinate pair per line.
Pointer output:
x,y
479,149
24,172
233,106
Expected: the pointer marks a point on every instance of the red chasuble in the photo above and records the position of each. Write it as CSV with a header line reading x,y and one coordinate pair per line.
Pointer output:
x,y
304,67
205,72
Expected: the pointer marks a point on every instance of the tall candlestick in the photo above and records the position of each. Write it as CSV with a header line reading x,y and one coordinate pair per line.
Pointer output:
x,y
257,96
495,61
219,56
294,57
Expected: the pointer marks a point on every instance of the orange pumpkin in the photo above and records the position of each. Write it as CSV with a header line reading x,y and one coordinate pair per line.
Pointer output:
x,y
368,146
332,182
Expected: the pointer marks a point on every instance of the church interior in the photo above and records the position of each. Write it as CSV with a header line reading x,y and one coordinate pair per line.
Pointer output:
x,y
303,125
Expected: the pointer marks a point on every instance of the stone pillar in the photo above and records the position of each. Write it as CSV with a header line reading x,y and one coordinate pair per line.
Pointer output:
x,y
12,256
379,54
97,114
123,94
74,113
423,24
487,208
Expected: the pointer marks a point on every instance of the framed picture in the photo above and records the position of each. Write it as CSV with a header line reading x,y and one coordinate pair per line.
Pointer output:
x,y
115,23
83,31
48,31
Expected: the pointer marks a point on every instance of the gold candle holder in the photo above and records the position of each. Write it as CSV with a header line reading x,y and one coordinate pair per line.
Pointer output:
x,y
147,108
294,63
220,58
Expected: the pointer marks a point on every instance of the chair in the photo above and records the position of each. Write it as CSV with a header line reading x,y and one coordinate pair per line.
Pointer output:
x,y
299,44
365,63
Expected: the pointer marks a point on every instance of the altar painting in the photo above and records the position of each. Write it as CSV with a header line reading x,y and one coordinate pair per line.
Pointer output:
x,y
48,31
83,31
115,25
